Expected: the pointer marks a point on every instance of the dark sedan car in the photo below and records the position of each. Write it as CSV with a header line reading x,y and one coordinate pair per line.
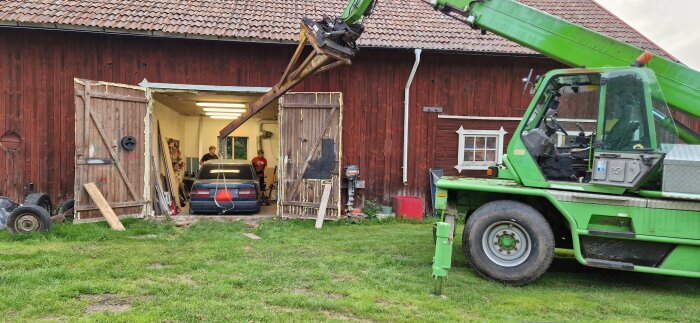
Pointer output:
x,y
225,186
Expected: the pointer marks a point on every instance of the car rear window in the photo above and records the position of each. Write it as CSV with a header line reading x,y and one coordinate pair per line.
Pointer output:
x,y
225,171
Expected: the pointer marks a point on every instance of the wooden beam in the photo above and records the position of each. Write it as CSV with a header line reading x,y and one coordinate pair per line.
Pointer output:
x,y
324,204
318,61
106,211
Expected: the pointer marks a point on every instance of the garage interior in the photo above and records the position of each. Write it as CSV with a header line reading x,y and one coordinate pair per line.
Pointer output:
x,y
188,123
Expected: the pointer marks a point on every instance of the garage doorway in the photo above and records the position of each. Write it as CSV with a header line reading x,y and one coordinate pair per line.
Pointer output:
x,y
301,136
188,119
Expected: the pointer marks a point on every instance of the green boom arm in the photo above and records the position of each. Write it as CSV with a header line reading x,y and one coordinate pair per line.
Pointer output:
x,y
575,45
355,10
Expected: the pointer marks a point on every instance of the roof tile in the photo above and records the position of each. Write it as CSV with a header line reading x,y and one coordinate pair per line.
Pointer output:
x,y
394,23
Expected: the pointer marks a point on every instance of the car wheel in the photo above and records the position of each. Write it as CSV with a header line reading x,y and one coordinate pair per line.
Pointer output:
x,y
509,242
28,218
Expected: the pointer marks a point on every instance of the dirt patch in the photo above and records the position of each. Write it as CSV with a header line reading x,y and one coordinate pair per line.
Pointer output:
x,y
302,291
185,279
333,296
106,303
156,266
342,317
144,237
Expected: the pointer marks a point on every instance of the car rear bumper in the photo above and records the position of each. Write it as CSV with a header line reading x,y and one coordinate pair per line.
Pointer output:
x,y
208,206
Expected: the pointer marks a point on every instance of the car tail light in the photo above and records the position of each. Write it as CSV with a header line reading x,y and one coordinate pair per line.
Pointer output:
x,y
246,192
199,193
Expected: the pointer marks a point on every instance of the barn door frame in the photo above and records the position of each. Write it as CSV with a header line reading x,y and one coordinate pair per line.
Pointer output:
x,y
289,192
82,151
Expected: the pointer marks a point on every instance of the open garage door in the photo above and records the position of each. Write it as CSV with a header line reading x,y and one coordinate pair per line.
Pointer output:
x,y
310,153
110,147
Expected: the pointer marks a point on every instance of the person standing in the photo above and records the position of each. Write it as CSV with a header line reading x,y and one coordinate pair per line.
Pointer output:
x,y
210,155
259,163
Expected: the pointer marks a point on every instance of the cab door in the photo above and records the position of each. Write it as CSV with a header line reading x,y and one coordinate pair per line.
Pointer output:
x,y
625,152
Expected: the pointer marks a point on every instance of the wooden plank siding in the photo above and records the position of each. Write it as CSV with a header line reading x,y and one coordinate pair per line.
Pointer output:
x,y
37,68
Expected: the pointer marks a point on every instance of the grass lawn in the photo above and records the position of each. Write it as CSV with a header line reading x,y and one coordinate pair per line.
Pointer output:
x,y
367,272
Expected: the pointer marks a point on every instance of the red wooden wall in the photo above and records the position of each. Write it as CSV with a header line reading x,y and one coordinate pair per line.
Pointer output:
x,y
36,97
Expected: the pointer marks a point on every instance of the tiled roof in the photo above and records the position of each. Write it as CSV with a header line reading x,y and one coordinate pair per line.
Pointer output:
x,y
394,23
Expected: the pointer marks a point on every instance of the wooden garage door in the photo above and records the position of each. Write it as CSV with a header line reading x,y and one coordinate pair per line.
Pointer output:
x,y
104,114
310,153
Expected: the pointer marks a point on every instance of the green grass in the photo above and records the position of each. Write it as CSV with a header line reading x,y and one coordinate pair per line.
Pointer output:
x,y
367,272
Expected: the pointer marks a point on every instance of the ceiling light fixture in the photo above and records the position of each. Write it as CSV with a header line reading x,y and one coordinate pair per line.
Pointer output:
x,y
223,110
221,114
224,117
220,105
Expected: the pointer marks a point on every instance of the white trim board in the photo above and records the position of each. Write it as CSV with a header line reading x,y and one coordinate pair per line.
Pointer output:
x,y
447,116
195,87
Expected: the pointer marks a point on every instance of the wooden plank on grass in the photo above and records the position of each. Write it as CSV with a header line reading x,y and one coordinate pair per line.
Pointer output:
x,y
324,204
105,209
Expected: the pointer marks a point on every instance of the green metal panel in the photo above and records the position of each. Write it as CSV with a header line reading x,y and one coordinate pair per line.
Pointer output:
x,y
577,46
651,222
683,258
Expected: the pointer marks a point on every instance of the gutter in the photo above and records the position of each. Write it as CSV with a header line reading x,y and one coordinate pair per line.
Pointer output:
x,y
406,95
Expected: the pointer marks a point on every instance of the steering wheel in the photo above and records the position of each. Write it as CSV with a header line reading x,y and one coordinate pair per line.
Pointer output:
x,y
552,130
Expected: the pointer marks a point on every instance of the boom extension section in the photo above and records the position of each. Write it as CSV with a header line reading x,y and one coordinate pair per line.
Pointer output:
x,y
574,45
333,43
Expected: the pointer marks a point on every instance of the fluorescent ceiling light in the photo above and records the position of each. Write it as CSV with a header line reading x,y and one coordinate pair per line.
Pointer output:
x,y
223,110
220,105
224,117
222,114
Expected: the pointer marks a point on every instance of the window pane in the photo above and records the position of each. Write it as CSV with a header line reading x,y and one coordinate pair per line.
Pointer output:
x,y
479,155
468,142
480,142
491,142
240,147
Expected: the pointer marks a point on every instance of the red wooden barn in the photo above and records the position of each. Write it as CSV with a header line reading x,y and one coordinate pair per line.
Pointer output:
x,y
463,80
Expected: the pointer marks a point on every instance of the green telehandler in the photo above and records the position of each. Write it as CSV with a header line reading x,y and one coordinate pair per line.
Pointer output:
x,y
598,164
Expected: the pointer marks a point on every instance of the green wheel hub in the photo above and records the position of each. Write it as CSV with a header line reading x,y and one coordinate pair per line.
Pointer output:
x,y
506,243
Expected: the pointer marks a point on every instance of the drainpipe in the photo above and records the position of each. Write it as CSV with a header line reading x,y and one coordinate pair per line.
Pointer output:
x,y
406,93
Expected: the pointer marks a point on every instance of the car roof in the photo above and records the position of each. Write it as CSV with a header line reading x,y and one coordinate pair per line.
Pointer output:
x,y
227,162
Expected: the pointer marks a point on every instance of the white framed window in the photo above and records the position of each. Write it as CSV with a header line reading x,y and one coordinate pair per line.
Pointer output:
x,y
479,149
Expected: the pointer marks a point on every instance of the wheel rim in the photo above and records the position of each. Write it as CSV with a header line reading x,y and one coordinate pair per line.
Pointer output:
x,y
506,243
27,222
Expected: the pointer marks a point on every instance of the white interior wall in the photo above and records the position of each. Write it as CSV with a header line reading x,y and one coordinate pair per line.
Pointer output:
x,y
194,143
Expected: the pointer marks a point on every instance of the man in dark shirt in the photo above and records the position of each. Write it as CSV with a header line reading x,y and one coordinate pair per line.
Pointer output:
x,y
210,155
259,163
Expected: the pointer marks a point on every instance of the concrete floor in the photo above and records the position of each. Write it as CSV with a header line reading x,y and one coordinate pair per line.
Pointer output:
x,y
185,218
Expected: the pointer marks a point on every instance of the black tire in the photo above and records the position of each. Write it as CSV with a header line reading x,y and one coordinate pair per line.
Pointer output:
x,y
29,218
65,206
39,199
508,241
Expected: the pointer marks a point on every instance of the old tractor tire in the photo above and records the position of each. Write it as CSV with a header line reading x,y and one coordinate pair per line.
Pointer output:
x,y
28,218
39,199
508,241
65,206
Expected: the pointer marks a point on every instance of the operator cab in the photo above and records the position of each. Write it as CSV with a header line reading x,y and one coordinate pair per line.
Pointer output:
x,y
598,126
